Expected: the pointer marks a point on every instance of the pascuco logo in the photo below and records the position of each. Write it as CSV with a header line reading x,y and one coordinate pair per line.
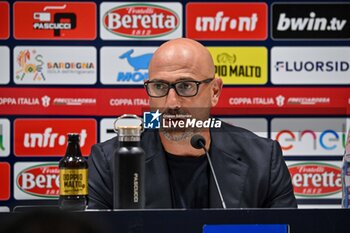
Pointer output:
x,y
48,137
315,179
141,20
36,180
55,20
311,21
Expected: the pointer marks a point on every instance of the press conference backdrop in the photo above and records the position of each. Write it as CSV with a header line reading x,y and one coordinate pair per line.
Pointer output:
x,y
74,66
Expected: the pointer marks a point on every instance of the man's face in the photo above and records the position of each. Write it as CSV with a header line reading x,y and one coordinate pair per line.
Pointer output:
x,y
173,66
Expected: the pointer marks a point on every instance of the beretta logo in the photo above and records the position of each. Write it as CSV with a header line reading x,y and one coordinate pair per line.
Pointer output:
x,y
55,20
315,179
36,180
226,21
4,20
140,20
48,137
311,21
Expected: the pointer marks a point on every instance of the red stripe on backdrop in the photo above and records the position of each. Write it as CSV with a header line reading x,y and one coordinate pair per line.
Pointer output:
x,y
117,101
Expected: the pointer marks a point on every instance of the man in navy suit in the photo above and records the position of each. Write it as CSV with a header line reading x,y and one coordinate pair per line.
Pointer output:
x,y
250,170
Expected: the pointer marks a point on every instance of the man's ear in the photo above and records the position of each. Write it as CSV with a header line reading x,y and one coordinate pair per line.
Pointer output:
x,y
216,91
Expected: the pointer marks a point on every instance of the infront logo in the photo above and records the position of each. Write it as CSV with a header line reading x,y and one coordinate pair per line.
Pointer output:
x,y
226,21
311,21
48,137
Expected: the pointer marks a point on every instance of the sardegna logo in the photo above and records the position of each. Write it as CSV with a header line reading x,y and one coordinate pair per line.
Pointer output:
x,y
316,179
36,180
48,137
141,21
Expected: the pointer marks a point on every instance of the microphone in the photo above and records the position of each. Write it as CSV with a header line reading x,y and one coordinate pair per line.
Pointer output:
x,y
198,142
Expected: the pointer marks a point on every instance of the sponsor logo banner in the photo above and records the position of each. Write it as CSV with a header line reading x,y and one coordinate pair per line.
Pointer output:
x,y
48,137
316,180
290,101
310,136
240,65
4,181
256,125
4,64
107,129
55,20
68,101
4,137
226,21
4,21
36,180
125,65
54,65
128,20
310,65
233,101
311,21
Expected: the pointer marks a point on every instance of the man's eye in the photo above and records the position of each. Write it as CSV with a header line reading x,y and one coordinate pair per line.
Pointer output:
x,y
159,86
186,85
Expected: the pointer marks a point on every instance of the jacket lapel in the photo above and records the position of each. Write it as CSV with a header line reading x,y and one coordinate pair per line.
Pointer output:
x,y
158,193
230,171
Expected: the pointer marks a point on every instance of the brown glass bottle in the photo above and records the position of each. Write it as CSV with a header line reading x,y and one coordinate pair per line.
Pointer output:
x,y
73,177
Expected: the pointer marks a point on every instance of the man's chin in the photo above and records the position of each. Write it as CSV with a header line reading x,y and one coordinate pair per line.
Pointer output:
x,y
177,134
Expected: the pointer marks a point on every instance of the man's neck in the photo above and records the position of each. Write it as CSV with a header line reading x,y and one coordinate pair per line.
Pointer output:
x,y
184,147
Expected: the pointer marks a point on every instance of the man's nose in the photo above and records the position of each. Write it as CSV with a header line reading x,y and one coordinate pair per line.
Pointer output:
x,y
172,99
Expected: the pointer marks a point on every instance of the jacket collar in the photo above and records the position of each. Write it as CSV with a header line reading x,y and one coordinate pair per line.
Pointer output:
x,y
225,153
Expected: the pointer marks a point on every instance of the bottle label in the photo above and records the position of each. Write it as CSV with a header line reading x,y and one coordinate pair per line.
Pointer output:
x,y
73,182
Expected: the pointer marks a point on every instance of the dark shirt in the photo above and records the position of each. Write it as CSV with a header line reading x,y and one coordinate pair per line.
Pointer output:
x,y
189,181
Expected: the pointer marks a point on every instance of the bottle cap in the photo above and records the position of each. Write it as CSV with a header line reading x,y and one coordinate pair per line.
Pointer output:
x,y
73,137
128,127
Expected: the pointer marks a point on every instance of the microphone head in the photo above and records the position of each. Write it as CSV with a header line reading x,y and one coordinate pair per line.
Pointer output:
x,y
198,141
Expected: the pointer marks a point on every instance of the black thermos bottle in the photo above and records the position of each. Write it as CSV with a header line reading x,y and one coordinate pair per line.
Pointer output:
x,y
129,169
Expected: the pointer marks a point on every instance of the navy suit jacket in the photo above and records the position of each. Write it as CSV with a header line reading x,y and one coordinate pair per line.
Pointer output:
x,y
250,171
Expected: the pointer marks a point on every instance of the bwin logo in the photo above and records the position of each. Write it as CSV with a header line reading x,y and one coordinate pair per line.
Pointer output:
x,y
151,120
138,63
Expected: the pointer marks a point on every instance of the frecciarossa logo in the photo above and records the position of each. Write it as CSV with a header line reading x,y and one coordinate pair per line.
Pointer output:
x,y
315,179
48,137
39,180
141,20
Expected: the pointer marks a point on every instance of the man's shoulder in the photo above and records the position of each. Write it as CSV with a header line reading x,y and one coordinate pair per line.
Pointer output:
x,y
239,133
107,146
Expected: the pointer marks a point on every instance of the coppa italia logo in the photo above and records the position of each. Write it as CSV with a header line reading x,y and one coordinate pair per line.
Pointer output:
x,y
240,65
316,180
48,137
140,20
36,180
55,20
226,21
125,65
311,21
4,20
